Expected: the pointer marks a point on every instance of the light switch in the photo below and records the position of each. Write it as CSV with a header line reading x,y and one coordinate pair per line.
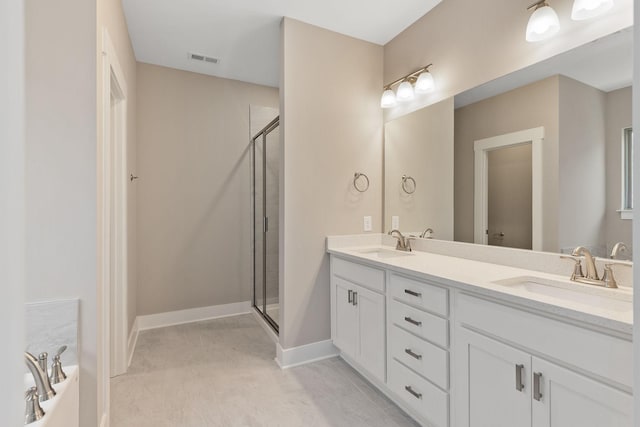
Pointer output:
x,y
367,223
395,223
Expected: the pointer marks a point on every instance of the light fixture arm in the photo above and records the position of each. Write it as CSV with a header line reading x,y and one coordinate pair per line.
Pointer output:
x,y
411,77
538,4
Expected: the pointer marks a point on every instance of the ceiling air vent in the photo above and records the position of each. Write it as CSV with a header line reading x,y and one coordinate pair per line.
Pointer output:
x,y
203,58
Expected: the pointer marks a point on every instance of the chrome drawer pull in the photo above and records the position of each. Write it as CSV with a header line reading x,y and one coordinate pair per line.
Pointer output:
x,y
350,296
519,384
412,293
413,322
412,354
537,395
414,393
355,298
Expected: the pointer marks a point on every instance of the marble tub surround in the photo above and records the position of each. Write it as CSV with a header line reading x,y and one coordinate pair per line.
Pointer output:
x,y
480,277
50,325
545,262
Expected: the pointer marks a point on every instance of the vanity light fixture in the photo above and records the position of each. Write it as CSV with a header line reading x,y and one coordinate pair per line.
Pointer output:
x,y
543,23
419,81
587,9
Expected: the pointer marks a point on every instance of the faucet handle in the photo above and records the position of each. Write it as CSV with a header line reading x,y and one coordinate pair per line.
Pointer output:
x,y
607,277
57,374
61,350
577,268
33,411
42,361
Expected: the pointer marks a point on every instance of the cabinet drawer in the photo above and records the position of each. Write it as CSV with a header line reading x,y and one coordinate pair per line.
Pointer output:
x,y
363,275
427,400
421,323
429,297
425,358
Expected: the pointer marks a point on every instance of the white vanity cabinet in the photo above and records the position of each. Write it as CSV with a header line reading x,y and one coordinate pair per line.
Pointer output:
x,y
358,315
517,384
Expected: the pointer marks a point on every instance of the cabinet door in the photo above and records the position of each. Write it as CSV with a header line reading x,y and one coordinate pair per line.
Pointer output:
x,y
371,328
346,321
494,390
570,399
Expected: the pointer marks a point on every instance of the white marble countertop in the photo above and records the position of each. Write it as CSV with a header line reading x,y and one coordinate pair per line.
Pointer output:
x,y
481,277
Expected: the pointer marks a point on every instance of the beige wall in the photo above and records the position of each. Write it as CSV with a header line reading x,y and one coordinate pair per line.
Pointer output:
x,y
61,163
331,127
194,211
618,118
582,177
420,145
12,210
527,107
472,42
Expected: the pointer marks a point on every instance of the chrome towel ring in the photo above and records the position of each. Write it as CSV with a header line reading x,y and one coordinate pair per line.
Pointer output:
x,y
364,183
408,189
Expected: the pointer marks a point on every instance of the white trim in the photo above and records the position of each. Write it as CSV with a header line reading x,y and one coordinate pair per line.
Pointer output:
x,y
309,353
263,323
481,148
171,318
133,340
104,421
626,213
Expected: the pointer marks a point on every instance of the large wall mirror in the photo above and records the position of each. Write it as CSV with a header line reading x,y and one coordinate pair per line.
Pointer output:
x,y
538,159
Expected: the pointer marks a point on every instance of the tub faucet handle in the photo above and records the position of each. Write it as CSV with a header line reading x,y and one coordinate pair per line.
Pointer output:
x,y
57,374
33,411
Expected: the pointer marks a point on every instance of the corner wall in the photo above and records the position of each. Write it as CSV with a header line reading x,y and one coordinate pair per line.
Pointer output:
x,y
331,127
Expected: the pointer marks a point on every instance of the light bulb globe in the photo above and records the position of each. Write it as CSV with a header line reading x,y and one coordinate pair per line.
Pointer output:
x,y
587,9
405,92
543,24
425,83
388,99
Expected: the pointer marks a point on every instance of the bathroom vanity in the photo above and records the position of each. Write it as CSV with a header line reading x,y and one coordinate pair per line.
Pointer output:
x,y
458,342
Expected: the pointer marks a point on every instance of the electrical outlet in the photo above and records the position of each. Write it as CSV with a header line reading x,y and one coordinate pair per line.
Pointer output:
x,y
395,223
368,225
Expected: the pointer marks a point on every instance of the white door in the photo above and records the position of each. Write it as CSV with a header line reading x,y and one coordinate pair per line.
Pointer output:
x,y
346,322
566,398
495,390
371,326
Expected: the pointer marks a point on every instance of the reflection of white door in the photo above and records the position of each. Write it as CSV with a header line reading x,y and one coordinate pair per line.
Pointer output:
x,y
482,149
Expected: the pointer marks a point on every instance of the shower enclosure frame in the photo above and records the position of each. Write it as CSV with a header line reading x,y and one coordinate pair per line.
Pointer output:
x,y
273,125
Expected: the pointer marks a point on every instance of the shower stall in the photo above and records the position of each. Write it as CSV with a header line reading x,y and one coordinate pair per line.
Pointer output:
x,y
265,150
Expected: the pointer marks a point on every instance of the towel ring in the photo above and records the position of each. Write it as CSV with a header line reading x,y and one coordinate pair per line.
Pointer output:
x,y
356,178
406,178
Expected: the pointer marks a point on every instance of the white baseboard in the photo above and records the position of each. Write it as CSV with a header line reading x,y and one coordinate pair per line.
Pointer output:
x,y
272,334
104,421
161,320
133,340
296,356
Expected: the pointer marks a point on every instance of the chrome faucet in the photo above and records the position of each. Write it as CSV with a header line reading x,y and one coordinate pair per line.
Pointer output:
x,y
404,243
592,273
617,248
45,391
424,233
608,281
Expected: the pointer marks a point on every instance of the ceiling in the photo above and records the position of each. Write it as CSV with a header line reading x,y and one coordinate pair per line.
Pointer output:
x,y
606,64
245,34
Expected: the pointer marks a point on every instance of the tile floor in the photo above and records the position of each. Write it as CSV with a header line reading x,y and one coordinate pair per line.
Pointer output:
x,y
222,373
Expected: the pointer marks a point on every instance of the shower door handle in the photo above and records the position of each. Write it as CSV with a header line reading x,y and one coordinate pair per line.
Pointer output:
x,y
265,224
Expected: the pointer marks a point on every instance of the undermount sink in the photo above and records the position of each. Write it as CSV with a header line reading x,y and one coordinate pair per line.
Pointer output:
x,y
384,253
577,293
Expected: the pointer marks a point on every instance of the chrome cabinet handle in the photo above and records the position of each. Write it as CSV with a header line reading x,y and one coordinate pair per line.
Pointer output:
x,y
355,298
412,354
413,322
350,296
412,392
519,383
412,293
537,395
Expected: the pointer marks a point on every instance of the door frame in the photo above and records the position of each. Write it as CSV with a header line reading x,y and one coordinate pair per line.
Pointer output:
x,y
481,148
114,287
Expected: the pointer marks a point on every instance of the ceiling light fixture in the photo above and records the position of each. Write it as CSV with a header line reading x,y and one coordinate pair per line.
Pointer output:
x,y
419,81
587,9
543,23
